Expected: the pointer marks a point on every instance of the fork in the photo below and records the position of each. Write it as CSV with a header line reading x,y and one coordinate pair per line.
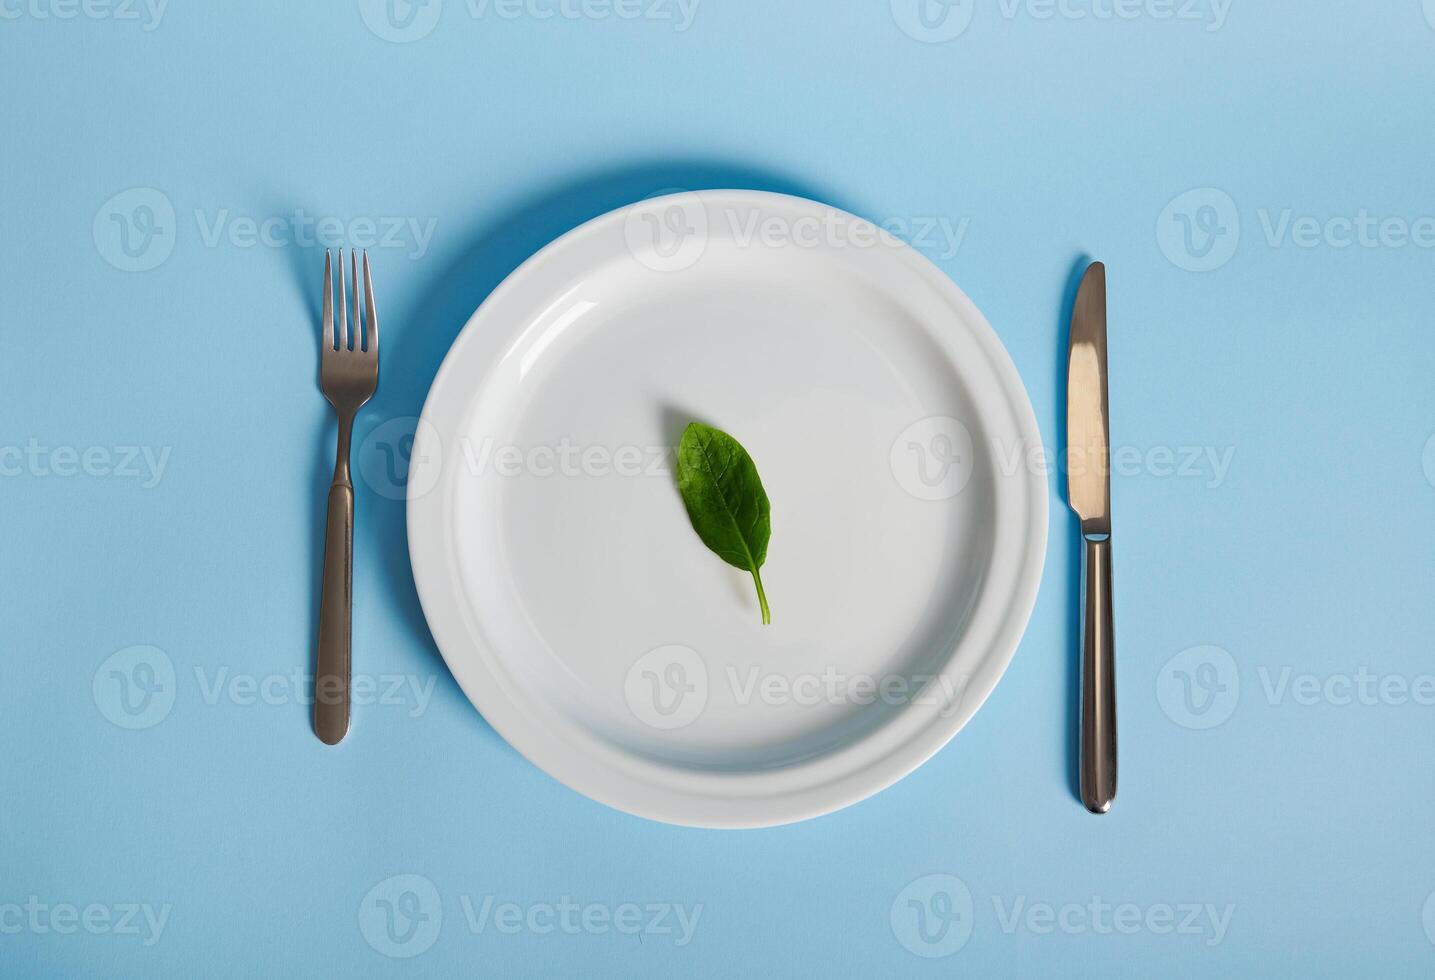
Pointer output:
x,y
348,375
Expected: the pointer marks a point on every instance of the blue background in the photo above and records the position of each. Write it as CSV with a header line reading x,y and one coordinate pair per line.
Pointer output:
x,y
1056,138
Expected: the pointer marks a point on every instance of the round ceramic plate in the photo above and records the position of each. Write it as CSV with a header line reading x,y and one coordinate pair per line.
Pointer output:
x,y
570,595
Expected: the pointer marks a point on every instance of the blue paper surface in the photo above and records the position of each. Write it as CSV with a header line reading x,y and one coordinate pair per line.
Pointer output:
x,y
1256,177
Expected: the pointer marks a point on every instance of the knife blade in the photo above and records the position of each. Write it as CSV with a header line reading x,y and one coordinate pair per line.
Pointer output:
x,y
1087,474
1089,491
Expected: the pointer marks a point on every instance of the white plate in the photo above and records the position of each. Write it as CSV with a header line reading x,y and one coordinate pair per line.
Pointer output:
x,y
567,590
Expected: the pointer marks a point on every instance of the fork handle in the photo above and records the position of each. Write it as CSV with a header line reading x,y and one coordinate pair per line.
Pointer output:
x,y
331,673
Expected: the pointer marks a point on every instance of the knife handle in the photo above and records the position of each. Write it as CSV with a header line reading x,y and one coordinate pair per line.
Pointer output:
x,y
1098,679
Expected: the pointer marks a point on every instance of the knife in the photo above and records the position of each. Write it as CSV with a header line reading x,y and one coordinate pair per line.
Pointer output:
x,y
1088,476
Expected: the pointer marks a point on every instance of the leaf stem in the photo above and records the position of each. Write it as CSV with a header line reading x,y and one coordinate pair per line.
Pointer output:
x,y
762,599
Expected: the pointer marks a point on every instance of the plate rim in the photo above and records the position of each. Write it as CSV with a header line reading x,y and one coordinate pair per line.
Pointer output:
x,y
613,784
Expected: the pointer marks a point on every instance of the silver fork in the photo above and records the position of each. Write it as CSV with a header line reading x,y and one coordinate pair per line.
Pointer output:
x,y
348,375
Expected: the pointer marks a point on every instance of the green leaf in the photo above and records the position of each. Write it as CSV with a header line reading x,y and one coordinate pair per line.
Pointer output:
x,y
725,500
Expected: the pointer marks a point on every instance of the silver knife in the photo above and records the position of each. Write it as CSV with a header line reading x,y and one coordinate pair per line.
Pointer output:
x,y
1089,490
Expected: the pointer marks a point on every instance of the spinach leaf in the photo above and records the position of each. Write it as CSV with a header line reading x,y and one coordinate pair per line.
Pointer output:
x,y
725,500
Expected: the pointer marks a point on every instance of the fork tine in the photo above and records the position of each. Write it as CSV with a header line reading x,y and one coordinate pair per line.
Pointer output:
x,y
343,305
358,318
372,324
328,301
